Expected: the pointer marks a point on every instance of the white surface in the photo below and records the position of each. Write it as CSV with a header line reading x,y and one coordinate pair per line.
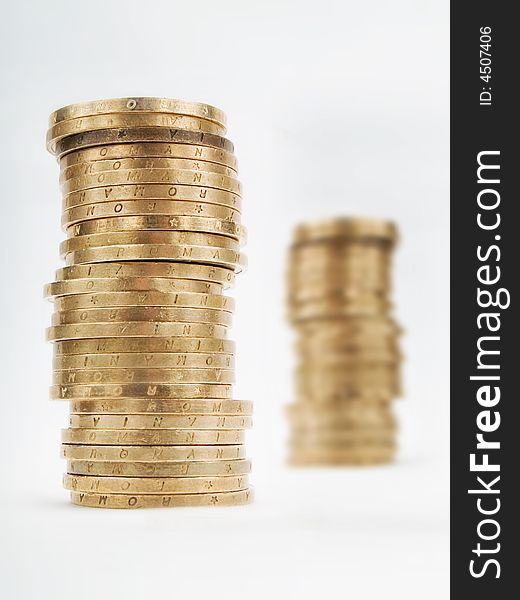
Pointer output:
x,y
334,108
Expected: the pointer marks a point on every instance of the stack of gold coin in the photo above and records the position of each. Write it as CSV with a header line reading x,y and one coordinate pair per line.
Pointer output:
x,y
152,210
347,343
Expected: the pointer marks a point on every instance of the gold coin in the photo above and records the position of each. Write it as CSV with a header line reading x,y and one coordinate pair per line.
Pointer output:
x,y
102,137
149,270
347,392
160,500
334,250
159,421
149,192
329,382
339,255
101,166
338,418
347,360
312,348
315,354
337,341
325,301
171,176
312,440
355,414
173,210
152,485
138,105
129,345
335,421
172,215
310,458
148,360
305,272
338,282
137,285
84,124
335,292
143,313
152,453
346,228
140,437
150,150
358,405
100,240
316,311
135,329
348,328
348,438
211,255
348,405
358,252
152,298
142,375
159,223
346,265
344,277
376,442
335,287
200,468
140,390
351,326
207,406
332,374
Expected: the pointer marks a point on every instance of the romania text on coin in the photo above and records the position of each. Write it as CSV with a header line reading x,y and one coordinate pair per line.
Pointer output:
x,y
148,270
170,176
205,406
139,134
159,500
150,150
160,469
135,329
100,166
152,485
143,313
140,437
119,120
138,105
142,375
160,421
152,453
102,345
220,257
148,192
141,390
151,298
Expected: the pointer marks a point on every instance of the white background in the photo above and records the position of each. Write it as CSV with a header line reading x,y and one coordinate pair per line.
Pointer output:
x,y
334,108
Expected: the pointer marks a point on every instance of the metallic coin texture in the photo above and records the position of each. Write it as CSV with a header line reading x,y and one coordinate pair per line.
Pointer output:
x,y
348,358
152,213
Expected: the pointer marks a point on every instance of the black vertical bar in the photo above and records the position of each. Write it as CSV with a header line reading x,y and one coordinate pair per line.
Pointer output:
x,y
483,124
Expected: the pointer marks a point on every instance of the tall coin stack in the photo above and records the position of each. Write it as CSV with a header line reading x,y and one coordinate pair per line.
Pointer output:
x,y
151,208
347,343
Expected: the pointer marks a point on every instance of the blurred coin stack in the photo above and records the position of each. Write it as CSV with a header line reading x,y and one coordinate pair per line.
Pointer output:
x,y
151,208
348,358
